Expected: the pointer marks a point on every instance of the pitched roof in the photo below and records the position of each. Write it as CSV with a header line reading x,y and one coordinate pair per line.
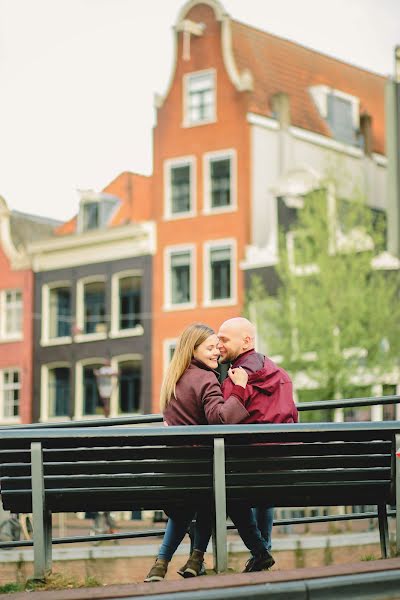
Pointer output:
x,y
26,228
279,65
134,192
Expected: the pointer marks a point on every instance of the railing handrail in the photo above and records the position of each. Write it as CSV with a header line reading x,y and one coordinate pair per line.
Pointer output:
x,y
158,418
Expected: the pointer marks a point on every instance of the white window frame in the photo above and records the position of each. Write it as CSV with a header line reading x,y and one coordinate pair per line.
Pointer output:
x,y
207,248
46,340
300,270
80,364
168,343
80,310
3,389
169,164
44,389
185,100
15,335
115,362
208,157
115,331
168,252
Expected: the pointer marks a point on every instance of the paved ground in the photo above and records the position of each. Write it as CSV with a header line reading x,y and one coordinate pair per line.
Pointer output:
x,y
213,582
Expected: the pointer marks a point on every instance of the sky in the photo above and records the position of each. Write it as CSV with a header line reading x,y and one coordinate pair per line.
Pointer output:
x,y
78,79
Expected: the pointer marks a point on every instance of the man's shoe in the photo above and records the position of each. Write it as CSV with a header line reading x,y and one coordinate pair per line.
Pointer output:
x,y
194,566
158,571
260,562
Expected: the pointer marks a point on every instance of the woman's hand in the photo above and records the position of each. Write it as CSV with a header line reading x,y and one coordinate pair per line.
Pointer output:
x,y
238,376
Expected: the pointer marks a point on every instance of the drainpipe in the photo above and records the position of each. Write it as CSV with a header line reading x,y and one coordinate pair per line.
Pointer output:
x,y
392,110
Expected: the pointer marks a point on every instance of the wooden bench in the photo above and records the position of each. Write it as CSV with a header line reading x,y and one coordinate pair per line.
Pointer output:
x,y
125,468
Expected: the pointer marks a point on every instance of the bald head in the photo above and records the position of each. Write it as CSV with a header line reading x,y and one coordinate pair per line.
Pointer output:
x,y
236,336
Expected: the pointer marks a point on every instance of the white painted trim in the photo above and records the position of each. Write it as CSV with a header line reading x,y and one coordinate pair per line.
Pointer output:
x,y
15,336
262,121
44,389
168,165
243,82
78,408
115,362
168,251
380,159
217,7
167,344
115,332
80,309
207,247
322,140
186,122
207,158
45,339
3,418
19,258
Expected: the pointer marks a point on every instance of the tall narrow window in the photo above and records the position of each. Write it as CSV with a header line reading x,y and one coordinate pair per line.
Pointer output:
x,y
129,301
180,277
92,404
340,119
60,312
220,175
130,386
200,98
220,267
59,392
94,307
11,393
91,216
11,316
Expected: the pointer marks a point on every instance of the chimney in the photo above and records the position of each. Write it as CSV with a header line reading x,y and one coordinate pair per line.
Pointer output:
x,y
366,132
281,107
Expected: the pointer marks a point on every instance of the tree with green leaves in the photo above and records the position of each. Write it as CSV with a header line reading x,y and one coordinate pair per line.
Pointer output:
x,y
335,320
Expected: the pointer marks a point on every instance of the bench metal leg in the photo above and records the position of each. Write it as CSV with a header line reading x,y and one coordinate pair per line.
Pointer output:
x,y
397,468
220,536
383,530
42,531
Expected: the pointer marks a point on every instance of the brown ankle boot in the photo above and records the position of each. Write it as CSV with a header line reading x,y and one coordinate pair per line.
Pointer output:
x,y
194,566
158,571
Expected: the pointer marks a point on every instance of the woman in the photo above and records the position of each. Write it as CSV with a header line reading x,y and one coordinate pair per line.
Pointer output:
x,y
191,395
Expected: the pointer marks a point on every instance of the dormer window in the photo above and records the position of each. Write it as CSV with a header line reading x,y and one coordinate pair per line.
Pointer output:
x,y
340,119
95,210
341,112
199,100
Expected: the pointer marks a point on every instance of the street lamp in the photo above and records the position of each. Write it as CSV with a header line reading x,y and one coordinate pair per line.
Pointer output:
x,y
106,377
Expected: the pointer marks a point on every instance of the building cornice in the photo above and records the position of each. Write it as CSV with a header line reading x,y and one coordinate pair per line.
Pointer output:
x,y
19,259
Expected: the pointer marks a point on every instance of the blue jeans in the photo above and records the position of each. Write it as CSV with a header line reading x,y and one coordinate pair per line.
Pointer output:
x,y
245,522
178,523
264,516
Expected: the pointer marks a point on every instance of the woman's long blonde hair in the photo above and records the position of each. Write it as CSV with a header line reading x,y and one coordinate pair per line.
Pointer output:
x,y
188,341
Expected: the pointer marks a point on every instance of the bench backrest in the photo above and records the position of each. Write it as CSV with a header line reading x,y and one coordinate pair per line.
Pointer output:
x,y
144,468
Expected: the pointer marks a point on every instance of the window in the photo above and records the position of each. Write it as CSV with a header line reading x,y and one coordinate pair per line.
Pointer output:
x,y
219,276
130,386
95,211
340,119
92,403
59,312
301,253
180,277
58,391
199,98
129,302
11,314
219,184
10,392
169,349
94,302
180,187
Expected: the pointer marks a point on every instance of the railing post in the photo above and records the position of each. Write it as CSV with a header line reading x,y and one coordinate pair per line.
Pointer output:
x,y
383,530
219,533
397,467
42,537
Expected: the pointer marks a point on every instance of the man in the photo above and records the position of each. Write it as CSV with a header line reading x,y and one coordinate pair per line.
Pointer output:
x,y
269,393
